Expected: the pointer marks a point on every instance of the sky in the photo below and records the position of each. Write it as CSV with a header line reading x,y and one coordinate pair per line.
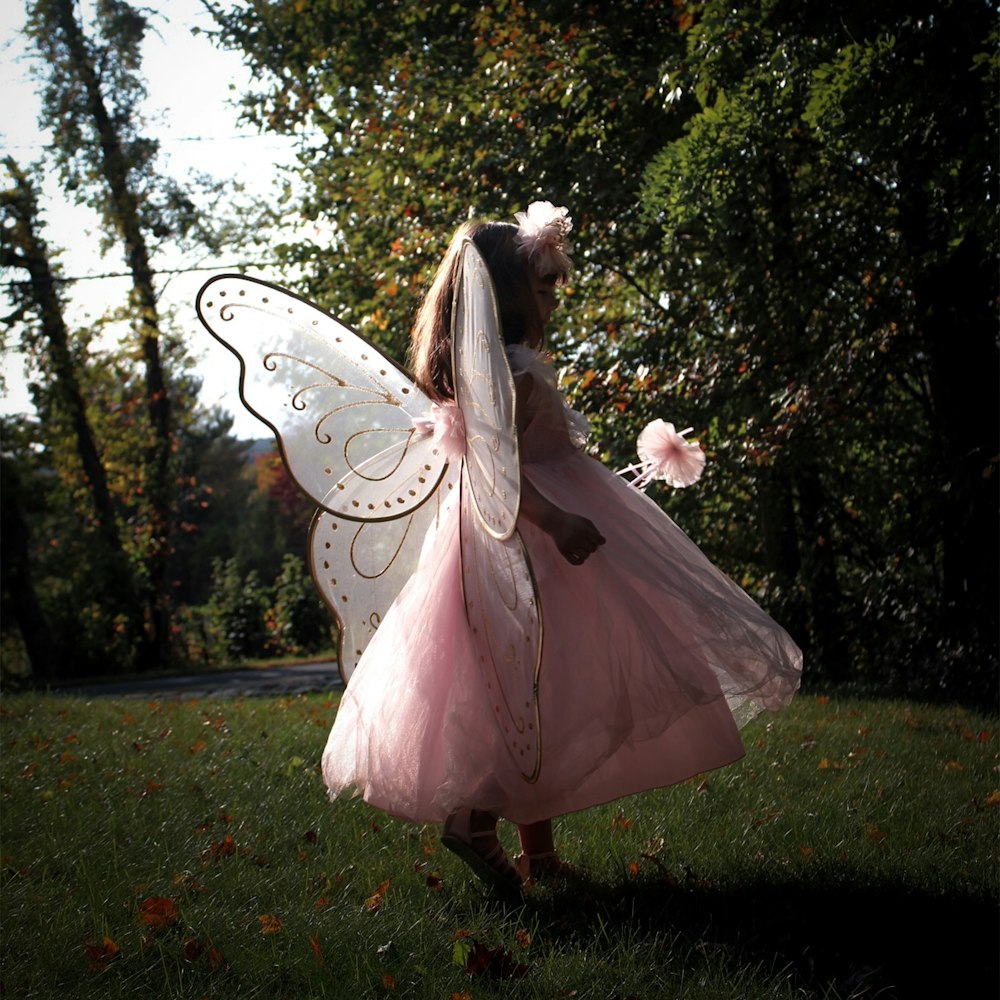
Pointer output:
x,y
193,88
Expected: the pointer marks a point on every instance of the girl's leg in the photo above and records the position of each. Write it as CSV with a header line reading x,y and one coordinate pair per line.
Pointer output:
x,y
538,856
536,838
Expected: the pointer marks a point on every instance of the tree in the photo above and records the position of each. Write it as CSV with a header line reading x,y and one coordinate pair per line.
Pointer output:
x,y
90,101
863,292
749,184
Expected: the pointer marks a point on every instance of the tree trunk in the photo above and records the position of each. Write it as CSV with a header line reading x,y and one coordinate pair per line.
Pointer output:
x,y
156,460
20,601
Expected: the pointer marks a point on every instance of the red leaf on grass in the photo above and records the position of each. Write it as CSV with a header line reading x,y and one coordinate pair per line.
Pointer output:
x,y
157,912
315,945
494,963
193,949
101,955
270,924
621,821
388,982
225,848
374,902
215,960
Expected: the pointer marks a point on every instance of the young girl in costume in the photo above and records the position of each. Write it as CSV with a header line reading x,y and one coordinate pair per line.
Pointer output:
x,y
651,658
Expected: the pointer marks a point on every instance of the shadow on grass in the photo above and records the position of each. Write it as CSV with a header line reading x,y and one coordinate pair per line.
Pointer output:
x,y
864,942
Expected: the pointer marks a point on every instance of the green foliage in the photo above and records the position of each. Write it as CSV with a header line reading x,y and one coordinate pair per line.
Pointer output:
x,y
236,614
247,619
298,620
853,837
784,228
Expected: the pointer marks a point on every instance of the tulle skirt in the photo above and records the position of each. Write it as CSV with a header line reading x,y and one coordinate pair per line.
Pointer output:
x,y
652,659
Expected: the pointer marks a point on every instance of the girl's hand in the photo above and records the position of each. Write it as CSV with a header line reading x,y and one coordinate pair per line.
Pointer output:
x,y
576,537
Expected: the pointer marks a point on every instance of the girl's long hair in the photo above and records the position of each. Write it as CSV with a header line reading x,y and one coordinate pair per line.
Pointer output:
x,y
430,340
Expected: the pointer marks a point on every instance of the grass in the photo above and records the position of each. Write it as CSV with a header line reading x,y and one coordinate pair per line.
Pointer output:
x,y
187,849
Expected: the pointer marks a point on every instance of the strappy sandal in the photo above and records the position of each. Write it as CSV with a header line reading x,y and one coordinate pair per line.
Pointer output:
x,y
493,866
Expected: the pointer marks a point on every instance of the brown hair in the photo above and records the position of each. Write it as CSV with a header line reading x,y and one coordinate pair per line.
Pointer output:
x,y
520,320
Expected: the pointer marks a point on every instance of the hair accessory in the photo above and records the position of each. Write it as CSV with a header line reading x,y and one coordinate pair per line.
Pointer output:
x,y
664,454
541,238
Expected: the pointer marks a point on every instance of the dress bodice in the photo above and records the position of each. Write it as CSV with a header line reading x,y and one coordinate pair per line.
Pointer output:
x,y
548,428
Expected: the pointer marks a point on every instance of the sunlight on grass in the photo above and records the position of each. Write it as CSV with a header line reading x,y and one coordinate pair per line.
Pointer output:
x,y
187,849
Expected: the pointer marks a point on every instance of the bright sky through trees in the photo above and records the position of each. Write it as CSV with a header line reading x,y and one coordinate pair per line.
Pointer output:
x,y
191,111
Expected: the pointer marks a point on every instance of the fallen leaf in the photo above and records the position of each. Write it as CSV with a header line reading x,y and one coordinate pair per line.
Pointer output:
x,y
993,799
494,963
157,912
806,852
621,821
523,939
225,848
197,746
215,960
823,764
188,881
101,955
315,945
875,835
633,869
374,902
434,882
388,982
953,766
270,924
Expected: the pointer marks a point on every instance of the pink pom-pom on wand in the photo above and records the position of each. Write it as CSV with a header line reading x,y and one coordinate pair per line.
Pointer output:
x,y
664,454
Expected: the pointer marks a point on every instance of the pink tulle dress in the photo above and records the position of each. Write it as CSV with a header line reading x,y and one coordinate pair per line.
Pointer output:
x,y
652,658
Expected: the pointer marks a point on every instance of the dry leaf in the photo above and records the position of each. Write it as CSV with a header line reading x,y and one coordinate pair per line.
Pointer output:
x,y
621,821
374,902
101,955
315,945
388,982
159,911
494,963
270,924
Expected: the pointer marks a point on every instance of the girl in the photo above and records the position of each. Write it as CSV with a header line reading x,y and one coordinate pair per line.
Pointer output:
x,y
651,656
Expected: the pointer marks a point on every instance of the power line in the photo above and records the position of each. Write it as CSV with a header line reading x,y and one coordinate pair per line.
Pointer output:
x,y
128,274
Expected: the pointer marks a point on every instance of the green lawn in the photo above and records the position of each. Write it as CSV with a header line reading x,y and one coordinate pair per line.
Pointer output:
x,y
187,849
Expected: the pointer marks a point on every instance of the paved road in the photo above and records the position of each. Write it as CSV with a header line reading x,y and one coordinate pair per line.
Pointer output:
x,y
304,678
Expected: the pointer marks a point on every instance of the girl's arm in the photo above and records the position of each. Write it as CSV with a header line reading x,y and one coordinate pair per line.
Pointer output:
x,y
575,537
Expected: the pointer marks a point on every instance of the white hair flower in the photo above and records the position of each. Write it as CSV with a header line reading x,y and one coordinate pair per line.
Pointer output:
x,y
541,238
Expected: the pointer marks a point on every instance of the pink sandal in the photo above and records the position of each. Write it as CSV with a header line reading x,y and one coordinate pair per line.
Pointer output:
x,y
491,866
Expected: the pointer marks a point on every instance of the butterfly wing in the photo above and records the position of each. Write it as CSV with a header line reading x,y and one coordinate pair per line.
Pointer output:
x,y
501,599
360,567
343,414
484,391
344,418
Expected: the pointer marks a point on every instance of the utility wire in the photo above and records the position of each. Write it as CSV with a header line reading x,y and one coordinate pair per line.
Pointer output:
x,y
164,270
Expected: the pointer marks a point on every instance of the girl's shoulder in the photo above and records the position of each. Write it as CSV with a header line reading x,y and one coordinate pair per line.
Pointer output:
x,y
527,361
